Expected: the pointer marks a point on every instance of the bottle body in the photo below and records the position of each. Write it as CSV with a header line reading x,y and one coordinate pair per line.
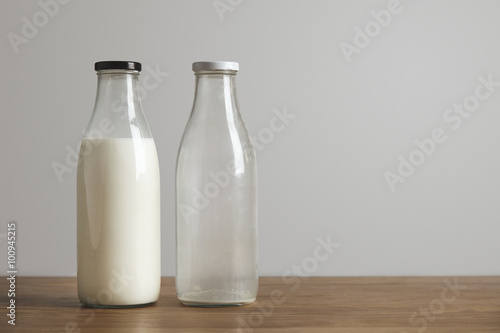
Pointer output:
x,y
216,192
118,201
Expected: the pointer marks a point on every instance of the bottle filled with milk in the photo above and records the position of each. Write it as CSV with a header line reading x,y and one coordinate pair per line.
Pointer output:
x,y
216,193
118,197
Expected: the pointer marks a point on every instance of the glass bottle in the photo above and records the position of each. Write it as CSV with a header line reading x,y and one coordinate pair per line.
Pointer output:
x,y
216,185
118,197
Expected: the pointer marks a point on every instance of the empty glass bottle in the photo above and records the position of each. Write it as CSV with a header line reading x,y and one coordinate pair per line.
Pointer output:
x,y
216,186
118,197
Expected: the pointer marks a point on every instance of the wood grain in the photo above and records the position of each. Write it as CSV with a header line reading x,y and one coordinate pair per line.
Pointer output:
x,y
319,304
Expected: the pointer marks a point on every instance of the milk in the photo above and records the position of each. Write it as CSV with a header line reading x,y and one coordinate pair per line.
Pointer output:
x,y
118,199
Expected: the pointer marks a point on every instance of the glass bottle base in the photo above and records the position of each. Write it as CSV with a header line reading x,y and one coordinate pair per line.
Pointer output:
x,y
215,299
216,304
127,306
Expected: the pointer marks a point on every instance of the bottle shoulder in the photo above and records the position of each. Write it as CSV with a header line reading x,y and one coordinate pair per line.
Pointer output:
x,y
119,124
212,147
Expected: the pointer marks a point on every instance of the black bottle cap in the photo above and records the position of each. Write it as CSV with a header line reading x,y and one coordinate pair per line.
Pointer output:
x,y
130,65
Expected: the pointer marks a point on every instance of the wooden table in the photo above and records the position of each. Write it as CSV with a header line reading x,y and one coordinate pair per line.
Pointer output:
x,y
319,304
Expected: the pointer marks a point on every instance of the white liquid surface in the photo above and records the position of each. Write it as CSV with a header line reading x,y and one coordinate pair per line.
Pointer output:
x,y
118,211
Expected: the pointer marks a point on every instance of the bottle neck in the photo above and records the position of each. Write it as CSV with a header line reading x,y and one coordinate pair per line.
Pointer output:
x,y
215,95
118,106
117,87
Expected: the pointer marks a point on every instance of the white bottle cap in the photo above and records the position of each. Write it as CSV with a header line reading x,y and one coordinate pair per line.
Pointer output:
x,y
215,65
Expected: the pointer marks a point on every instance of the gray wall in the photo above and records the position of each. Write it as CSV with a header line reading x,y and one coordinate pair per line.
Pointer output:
x,y
356,117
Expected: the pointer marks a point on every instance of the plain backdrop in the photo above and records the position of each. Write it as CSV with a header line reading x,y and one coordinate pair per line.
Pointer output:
x,y
323,174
